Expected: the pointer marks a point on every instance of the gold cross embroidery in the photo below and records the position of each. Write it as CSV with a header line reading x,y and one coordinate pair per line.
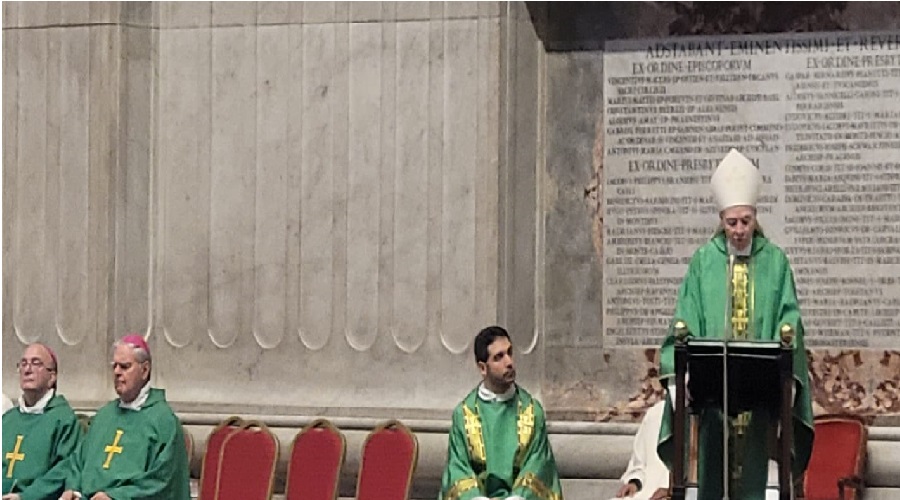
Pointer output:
x,y
14,456
740,317
112,448
525,430
473,433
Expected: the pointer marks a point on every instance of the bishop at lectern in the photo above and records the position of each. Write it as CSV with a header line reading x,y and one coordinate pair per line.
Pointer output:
x,y
739,287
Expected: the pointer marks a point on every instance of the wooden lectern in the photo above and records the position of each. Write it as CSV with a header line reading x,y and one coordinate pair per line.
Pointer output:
x,y
734,376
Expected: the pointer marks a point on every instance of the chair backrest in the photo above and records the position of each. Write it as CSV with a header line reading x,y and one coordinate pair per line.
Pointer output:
x,y
188,444
247,463
389,458
209,471
85,421
317,455
839,452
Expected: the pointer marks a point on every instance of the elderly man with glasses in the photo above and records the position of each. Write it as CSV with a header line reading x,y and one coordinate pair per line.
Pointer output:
x,y
40,433
135,447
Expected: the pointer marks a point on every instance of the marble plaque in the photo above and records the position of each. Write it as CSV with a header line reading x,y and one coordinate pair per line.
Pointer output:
x,y
818,113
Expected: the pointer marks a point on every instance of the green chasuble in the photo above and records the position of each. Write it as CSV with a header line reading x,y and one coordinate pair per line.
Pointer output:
x,y
132,454
702,304
35,449
500,449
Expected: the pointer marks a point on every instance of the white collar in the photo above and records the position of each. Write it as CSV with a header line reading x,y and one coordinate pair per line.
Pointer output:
x,y
138,401
489,396
38,407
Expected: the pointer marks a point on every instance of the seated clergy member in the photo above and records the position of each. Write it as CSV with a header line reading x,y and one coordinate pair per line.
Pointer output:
x,y
646,477
498,439
134,448
40,434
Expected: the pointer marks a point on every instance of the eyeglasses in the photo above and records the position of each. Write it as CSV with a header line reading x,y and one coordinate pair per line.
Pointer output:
x,y
35,363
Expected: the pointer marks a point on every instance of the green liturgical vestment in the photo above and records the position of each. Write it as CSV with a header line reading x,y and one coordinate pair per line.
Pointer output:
x,y
133,455
36,447
499,449
702,305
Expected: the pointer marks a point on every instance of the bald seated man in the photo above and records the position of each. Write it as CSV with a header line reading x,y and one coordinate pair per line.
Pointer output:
x,y
134,448
40,433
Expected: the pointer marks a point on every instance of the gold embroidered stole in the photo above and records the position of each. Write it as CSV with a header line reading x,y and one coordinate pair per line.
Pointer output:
x,y
741,329
473,435
525,431
475,438
741,299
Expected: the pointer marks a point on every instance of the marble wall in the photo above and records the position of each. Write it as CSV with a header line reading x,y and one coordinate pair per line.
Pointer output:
x,y
312,207
302,205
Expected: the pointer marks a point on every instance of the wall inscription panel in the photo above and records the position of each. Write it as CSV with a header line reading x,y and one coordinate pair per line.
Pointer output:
x,y
819,115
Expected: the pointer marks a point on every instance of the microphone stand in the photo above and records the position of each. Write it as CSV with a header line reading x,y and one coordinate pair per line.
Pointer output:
x,y
726,463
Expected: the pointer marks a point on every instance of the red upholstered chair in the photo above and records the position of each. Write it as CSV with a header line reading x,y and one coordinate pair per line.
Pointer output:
x,y
247,463
837,464
209,471
317,455
389,458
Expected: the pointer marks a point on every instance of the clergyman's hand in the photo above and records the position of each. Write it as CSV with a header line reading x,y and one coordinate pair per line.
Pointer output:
x,y
68,495
660,494
627,490
100,496
11,496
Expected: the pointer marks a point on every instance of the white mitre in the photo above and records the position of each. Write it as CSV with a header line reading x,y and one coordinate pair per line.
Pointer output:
x,y
736,181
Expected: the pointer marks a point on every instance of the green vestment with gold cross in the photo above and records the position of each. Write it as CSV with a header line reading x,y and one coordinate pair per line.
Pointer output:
x,y
36,447
133,455
499,449
771,301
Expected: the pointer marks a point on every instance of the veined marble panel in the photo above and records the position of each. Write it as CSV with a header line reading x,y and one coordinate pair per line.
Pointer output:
x,y
362,12
136,184
184,14
105,12
69,162
141,15
234,13
487,185
57,169
10,92
455,10
461,137
325,190
363,184
340,116
492,9
293,175
232,183
10,16
103,159
435,135
411,170
34,14
387,186
324,12
273,87
34,290
317,185
412,11
276,12
183,165
71,13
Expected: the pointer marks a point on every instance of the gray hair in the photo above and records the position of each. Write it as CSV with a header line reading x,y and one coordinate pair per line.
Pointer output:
x,y
139,353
